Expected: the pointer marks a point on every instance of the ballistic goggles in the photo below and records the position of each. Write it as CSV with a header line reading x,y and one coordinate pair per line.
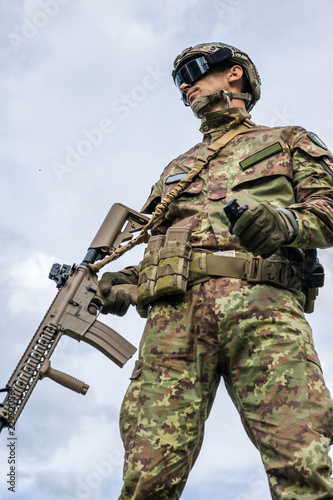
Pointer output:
x,y
195,69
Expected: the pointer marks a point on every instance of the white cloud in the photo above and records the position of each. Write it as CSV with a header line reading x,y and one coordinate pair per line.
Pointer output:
x,y
29,289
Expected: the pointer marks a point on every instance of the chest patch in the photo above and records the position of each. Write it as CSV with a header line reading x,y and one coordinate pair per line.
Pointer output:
x,y
314,138
327,163
261,155
175,178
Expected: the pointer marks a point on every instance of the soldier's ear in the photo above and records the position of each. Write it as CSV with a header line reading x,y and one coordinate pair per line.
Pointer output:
x,y
235,73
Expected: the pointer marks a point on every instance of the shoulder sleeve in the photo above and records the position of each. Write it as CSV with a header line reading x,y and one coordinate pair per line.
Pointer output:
x,y
313,188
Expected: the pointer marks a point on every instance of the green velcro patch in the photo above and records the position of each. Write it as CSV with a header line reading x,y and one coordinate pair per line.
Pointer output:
x,y
261,155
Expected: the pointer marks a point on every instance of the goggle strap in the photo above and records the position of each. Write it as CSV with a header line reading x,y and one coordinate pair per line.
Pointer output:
x,y
219,56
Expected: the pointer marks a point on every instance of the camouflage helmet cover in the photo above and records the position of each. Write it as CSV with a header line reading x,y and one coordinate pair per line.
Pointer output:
x,y
237,56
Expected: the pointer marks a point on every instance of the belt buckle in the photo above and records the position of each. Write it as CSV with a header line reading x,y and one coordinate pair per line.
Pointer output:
x,y
259,270
282,273
253,269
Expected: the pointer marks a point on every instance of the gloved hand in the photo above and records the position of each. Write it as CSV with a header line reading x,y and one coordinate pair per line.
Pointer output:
x,y
262,229
117,301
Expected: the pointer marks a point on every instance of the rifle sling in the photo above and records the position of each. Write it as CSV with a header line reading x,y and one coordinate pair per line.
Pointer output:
x,y
211,152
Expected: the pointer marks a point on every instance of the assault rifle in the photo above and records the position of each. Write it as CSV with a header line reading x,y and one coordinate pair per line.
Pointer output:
x,y
69,315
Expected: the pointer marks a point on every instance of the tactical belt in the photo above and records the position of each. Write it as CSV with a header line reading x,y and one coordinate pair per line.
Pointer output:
x,y
172,272
171,265
172,269
279,272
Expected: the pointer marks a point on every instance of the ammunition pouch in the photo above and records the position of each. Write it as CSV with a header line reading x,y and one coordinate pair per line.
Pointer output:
x,y
173,270
165,267
147,279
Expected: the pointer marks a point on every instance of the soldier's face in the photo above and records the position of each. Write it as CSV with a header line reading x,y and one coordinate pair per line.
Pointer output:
x,y
209,84
229,80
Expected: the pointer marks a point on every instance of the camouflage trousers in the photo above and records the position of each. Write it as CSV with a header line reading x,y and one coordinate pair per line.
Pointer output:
x,y
257,339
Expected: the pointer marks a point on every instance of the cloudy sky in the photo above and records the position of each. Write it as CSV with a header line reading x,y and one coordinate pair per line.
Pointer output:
x,y
90,117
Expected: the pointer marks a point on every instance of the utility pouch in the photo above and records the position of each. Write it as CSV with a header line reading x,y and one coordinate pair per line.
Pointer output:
x,y
173,270
148,270
165,271
173,266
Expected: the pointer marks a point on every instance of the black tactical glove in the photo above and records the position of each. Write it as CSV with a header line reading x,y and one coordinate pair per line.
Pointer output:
x,y
262,229
117,301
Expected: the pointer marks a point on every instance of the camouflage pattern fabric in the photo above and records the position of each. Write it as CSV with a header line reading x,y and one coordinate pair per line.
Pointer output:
x,y
254,336
292,178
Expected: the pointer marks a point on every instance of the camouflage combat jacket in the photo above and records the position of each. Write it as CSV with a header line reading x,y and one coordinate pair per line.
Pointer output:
x,y
284,166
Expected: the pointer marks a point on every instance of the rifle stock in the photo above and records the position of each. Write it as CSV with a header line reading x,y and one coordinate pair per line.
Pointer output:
x,y
69,315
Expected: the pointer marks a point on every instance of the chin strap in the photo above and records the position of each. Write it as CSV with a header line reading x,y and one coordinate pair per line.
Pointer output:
x,y
201,102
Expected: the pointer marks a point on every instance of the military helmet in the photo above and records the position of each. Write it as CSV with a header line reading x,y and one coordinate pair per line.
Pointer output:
x,y
194,62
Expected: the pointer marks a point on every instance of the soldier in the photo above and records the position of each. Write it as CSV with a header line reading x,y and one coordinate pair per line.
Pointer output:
x,y
228,300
